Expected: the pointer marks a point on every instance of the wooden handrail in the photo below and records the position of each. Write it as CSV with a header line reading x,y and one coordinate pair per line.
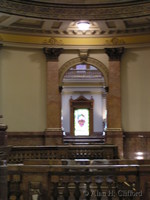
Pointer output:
x,y
20,153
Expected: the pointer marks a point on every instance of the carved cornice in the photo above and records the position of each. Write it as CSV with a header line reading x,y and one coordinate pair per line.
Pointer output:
x,y
114,53
71,12
52,54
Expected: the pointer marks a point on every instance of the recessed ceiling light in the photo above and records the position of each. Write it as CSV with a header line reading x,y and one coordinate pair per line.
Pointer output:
x,y
83,25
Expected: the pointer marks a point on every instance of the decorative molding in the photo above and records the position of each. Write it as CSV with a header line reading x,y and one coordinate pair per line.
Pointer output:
x,y
114,53
75,61
93,42
83,54
71,12
53,41
53,130
115,41
113,129
52,54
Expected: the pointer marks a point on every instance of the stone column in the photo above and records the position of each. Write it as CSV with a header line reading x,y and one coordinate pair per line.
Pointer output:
x,y
114,134
3,163
53,133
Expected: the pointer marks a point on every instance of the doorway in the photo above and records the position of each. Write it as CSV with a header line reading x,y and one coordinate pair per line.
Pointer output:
x,y
86,81
81,116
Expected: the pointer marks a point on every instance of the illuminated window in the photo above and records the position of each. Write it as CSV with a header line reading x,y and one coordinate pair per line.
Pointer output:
x,y
81,122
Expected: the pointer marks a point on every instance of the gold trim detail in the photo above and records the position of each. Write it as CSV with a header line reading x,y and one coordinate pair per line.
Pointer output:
x,y
53,41
115,41
64,41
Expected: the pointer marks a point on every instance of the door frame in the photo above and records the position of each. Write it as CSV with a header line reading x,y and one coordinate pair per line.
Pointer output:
x,y
81,103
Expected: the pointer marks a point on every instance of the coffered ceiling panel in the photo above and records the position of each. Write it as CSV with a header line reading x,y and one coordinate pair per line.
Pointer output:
x,y
55,18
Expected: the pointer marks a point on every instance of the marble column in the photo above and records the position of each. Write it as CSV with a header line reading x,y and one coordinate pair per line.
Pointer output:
x,y
3,163
53,133
114,133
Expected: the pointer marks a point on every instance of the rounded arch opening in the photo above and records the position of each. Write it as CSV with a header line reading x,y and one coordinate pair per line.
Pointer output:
x,y
87,90
94,62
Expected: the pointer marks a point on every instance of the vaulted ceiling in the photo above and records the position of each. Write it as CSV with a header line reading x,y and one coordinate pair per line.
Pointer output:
x,y
59,18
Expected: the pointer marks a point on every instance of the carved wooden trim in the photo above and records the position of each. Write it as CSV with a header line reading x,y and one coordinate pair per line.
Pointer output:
x,y
19,154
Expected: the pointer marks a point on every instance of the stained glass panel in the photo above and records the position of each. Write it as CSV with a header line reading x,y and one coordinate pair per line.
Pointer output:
x,y
81,122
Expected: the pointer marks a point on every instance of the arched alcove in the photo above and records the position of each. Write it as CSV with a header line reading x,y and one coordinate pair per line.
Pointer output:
x,y
75,61
92,87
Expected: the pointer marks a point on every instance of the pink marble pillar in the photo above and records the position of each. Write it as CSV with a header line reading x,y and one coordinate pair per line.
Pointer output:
x,y
114,134
53,133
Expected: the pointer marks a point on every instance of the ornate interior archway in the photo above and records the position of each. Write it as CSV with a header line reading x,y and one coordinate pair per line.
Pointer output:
x,y
98,110
75,61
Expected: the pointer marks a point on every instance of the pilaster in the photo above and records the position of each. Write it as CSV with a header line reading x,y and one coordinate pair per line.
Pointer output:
x,y
53,133
114,134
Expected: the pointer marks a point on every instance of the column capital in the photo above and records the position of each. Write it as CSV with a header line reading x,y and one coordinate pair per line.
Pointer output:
x,y
52,54
114,53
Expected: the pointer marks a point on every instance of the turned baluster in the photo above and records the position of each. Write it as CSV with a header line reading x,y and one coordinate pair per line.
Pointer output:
x,y
66,192
99,192
55,192
110,191
88,192
77,192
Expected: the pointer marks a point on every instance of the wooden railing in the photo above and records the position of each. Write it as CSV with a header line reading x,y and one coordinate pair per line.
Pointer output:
x,y
73,182
98,139
19,154
95,182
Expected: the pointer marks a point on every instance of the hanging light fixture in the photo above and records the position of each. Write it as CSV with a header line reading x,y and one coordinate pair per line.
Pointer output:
x,y
83,25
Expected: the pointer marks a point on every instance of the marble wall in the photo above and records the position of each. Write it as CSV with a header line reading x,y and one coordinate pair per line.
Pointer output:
x,y
23,87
